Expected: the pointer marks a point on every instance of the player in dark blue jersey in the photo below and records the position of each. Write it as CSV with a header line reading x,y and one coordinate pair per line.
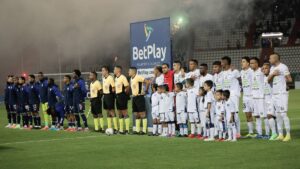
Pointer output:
x,y
9,83
55,105
68,101
34,102
22,104
79,95
43,94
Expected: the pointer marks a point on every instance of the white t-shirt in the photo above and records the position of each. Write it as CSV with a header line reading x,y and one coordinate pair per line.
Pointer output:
x,y
155,102
160,80
267,89
218,81
166,102
219,108
229,108
181,101
279,82
208,98
178,78
196,74
246,76
192,94
258,84
231,82
202,79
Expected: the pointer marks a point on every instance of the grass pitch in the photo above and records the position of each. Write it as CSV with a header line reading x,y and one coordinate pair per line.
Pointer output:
x,y
85,150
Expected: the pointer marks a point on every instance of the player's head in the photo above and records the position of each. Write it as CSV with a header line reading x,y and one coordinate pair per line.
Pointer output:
x,y
154,87
189,83
183,69
22,80
266,68
245,63
16,80
40,76
117,70
165,68
202,92
67,79
105,71
176,65
157,70
31,78
51,82
218,95
254,63
178,87
193,64
226,94
217,67
76,73
274,58
93,75
132,71
208,85
226,62
10,78
203,69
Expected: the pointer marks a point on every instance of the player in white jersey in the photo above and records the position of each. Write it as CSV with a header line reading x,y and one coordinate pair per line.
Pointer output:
x,y
178,73
231,82
258,97
202,114
218,75
193,73
279,76
209,107
269,108
220,115
158,75
204,75
181,115
230,115
246,78
156,130
192,93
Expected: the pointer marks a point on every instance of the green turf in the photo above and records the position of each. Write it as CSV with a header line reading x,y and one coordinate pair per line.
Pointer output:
x,y
48,150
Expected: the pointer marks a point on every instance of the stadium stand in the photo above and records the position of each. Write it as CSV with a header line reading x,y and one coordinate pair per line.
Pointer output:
x,y
290,56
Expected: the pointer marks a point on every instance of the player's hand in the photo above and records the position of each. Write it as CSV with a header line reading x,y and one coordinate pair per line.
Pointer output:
x,y
276,73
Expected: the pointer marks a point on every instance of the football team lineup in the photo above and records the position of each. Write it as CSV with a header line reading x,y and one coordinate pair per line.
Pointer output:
x,y
193,104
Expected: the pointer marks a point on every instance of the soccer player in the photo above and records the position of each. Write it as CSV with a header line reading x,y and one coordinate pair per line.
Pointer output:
x,y
220,114
246,77
194,73
231,83
279,76
108,84
168,76
163,109
269,108
258,97
230,114
34,102
12,101
22,103
170,113
218,75
96,101
68,102
138,100
204,75
209,107
158,75
181,103
155,110
122,91
192,94
6,100
79,94
43,91
202,113
178,73
54,103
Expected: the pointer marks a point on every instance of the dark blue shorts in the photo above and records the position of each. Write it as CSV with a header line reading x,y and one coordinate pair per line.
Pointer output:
x,y
79,108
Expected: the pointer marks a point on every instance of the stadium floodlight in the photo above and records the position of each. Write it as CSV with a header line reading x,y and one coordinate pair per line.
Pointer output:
x,y
272,35
180,20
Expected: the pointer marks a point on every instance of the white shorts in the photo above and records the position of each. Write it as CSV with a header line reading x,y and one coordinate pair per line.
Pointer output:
x,y
203,118
236,100
258,108
155,115
194,117
247,104
269,108
181,117
228,117
163,117
280,102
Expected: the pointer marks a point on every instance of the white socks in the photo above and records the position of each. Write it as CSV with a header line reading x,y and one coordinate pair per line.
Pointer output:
x,y
272,125
267,126
250,127
286,121
259,126
154,129
192,128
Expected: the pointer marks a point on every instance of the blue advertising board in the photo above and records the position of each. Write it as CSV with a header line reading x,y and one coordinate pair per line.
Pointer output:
x,y
150,45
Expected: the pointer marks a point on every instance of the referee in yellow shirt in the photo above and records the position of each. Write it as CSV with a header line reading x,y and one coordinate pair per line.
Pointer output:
x,y
138,101
122,90
96,101
109,97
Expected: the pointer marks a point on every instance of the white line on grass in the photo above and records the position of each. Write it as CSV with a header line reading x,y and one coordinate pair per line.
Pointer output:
x,y
49,140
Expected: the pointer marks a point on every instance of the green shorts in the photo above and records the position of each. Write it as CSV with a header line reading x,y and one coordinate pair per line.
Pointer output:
x,y
44,107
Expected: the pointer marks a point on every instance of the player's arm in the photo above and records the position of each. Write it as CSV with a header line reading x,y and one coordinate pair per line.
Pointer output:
x,y
147,84
208,109
126,85
112,84
272,75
